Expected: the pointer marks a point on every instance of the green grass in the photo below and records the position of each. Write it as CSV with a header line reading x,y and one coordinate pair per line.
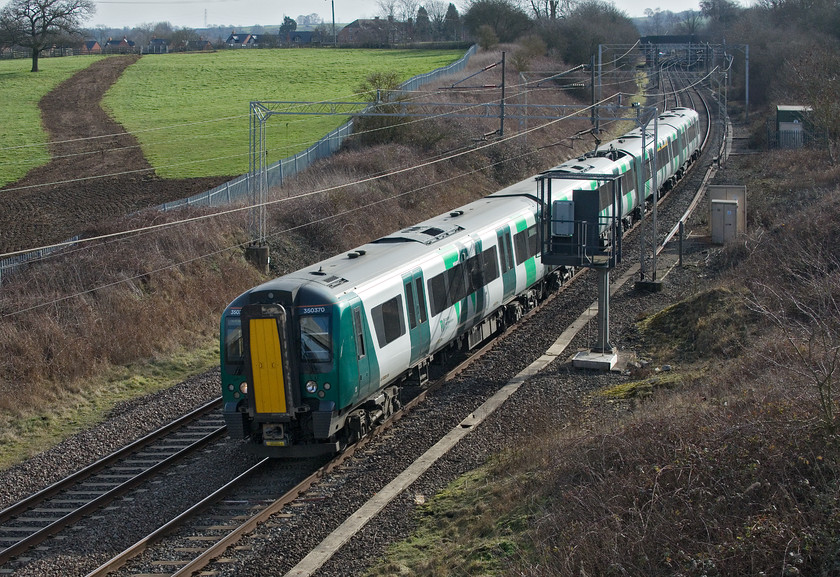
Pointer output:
x,y
191,111
22,140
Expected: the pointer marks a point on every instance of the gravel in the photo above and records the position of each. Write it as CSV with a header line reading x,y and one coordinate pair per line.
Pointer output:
x,y
554,395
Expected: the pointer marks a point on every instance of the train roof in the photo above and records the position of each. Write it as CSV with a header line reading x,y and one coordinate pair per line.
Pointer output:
x,y
404,249
400,251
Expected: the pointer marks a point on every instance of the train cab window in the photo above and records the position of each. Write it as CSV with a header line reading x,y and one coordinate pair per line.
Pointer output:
x,y
388,321
525,243
315,339
234,344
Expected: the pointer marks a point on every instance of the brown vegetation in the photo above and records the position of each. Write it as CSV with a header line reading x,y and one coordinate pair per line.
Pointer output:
x,y
727,465
114,302
98,172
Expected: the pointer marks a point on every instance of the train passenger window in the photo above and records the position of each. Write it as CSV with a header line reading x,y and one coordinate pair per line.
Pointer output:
x,y
490,265
421,300
505,253
525,243
628,181
456,284
315,339
475,276
388,321
437,293
460,281
448,288
234,344
409,302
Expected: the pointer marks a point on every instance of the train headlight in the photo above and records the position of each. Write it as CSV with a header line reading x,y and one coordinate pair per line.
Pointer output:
x,y
243,388
311,387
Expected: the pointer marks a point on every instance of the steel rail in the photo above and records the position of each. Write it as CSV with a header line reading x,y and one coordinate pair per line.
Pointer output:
x,y
224,543
42,496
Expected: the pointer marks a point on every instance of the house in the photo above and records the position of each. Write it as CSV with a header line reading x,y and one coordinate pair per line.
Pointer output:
x,y
197,45
301,38
374,32
158,46
241,40
90,47
124,46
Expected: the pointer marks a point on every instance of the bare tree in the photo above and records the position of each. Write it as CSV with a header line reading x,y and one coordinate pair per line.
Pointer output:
x,y
720,11
36,24
691,23
654,23
387,8
816,78
552,9
436,9
406,10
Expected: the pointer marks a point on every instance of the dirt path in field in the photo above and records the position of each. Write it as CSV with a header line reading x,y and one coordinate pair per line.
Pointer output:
x,y
51,203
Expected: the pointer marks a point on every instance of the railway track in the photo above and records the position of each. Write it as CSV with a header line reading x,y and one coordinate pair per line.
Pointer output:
x,y
215,526
246,508
30,521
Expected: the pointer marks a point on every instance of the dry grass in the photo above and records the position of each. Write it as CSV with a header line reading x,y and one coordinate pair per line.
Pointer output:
x,y
78,315
729,466
111,304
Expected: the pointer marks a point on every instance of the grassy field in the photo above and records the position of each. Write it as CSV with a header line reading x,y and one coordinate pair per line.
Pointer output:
x,y
190,111
22,141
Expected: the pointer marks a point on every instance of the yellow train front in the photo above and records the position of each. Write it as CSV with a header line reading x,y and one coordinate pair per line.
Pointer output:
x,y
288,353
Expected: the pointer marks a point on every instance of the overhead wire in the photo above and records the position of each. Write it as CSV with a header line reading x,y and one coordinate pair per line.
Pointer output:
x,y
59,245
419,94
276,201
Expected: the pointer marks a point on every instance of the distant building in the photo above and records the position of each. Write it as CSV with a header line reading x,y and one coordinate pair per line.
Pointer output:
x,y
90,47
242,40
197,45
374,32
301,38
793,126
124,46
158,46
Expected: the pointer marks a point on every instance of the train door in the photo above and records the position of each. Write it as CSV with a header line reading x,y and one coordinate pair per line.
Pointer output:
x,y
362,358
507,262
418,316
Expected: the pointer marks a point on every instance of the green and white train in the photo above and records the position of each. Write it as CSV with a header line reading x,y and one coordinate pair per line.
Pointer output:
x,y
312,360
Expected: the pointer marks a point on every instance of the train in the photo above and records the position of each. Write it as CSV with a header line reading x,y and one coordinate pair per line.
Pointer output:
x,y
313,360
